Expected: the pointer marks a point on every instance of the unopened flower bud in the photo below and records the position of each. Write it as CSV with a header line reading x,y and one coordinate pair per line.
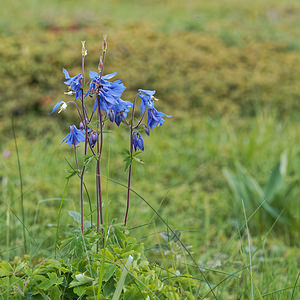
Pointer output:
x,y
82,125
147,130
119,117
83,49
93,138
100,66
111,115
104,45
137,141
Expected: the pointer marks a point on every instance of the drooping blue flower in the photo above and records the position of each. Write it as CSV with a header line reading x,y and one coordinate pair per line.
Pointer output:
x,y
155,118
147,99
61,104
120,110
137,141
75,136
108,92
74,83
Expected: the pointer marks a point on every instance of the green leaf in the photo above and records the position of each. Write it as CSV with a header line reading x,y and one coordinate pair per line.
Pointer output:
x,y
20,267
276,181
55,293
88,159
46,283
171,236
52,276
109,288
128,162
5,269
109,271
79,290
120,236
133,293
138,160
72,173
80,279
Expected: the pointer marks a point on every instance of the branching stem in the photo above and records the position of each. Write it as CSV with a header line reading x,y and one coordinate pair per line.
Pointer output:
x,y
129,170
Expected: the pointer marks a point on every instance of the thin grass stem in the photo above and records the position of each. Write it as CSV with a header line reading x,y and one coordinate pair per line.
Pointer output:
x,y
21,186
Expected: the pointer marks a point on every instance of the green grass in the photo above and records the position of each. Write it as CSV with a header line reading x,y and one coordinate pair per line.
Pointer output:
x,y
188,190
227,71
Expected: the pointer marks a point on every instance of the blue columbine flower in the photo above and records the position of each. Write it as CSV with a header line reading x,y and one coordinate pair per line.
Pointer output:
x,y
108,92
74,137
137,141
61,104
120,110
147,99
74,83
155,118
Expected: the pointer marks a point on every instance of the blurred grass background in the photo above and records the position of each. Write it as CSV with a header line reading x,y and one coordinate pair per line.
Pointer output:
x,y
228,71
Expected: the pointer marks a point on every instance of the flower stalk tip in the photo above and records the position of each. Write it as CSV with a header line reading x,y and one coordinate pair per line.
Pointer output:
x,y
83,49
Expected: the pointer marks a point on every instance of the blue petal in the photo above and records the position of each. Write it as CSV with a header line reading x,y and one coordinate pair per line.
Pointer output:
x,y
93,74
65,138
67,76
109,76
148,92
118,81
143,106
57,106
95,104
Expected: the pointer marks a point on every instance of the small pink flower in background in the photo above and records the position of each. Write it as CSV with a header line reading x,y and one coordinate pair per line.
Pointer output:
x,y
6,153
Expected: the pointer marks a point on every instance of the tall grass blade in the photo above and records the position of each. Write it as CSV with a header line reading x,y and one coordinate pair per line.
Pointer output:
x,y
59,215
121,281
249,249
294,288
21,186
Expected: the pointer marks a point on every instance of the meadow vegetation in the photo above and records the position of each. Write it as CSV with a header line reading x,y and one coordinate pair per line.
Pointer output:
x,y
229,74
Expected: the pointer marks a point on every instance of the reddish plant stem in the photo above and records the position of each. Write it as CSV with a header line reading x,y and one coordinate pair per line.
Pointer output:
x,y
129,170
139,123
98,177
77,109
76,157
99,153
85,144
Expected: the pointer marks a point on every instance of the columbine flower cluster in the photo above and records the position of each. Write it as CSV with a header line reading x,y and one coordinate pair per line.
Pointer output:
x,y
106,105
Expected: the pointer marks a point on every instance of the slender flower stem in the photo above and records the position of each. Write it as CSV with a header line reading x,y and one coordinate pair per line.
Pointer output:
x,y
129,170
92,114
85,144
99,153
98,177
141,120
80,116
76,157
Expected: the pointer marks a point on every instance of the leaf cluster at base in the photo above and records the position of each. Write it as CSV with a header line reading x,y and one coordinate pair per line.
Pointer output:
x,y
81,272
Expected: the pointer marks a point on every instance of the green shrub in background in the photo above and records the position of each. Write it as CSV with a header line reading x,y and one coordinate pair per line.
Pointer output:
x,y
213,78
